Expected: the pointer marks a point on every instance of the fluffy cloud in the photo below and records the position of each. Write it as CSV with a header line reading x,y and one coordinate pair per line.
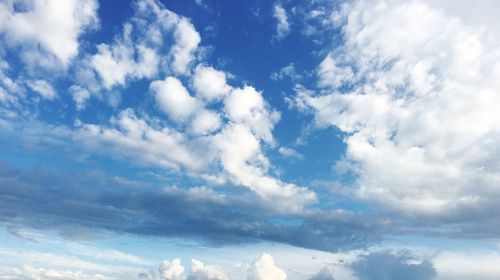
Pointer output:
x,y
223,146
174,99
186,42
53,25
172,270
200,271
414,91
246,105
283,26
205,122
142,48
210,83
161,146
263,268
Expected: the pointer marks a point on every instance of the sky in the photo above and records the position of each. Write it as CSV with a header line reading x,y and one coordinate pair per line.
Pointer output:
x,y
249,140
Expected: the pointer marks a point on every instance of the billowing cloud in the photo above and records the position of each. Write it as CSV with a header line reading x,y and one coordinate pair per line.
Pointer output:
x,y
53,25
144,49
414,92
200,271
263,268
209,83
174,99
172,270
187,40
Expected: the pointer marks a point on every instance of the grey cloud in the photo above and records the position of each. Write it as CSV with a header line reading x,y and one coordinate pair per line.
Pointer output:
x,y
44,198
388,266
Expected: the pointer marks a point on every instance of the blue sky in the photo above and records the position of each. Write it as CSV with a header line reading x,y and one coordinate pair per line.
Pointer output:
x,y
258,140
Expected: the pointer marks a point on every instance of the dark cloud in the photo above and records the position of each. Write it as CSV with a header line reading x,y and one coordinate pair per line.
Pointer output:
x,y
388,266
90,201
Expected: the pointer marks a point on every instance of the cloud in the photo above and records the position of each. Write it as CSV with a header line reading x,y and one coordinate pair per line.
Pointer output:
x,y
287,71
85,203
324,274
187,40
413,89
263,268
381,266
283,26
172,270
174,99
43,88
54,26
144,49
462,265
290,153
29,272
200,271
50,24
209,83
80,96
206,122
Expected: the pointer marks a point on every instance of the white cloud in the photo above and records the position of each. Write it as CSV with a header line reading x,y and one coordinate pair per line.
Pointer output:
x,y
283,26
205,122
246,105
144,49
186,42
133,137
117,62
332,74
420,115
29,272
52,24
200,271
209,83
174,99
287,71
43,88
264,268
80,96
467,265
290,153
172,270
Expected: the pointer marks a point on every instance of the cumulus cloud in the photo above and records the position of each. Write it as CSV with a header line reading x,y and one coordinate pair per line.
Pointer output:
x,y
283,26
200,271
159,146
210,83
186,42
263,268
143,48
53,25
206,122
172,270
174,99
413,89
